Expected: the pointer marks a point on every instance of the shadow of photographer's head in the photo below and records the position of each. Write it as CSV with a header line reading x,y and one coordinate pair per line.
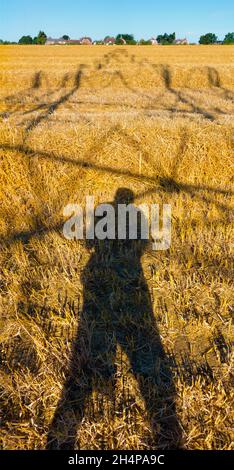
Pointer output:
x,y
124,196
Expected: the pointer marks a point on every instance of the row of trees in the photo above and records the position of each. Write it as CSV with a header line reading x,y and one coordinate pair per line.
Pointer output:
x,y
5,43
211,38
165,39
129,39
39,39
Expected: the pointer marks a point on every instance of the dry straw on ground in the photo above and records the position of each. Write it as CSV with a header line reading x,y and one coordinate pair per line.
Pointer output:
x,y
89,120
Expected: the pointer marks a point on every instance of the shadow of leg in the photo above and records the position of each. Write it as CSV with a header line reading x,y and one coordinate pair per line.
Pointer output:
x,y
159,397
68,415
91,368
151,369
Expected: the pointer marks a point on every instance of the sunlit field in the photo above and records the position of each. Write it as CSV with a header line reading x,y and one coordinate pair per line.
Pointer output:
x,y
78,121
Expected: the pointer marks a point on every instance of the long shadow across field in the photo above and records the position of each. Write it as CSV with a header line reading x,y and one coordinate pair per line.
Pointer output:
x,y
52,107
117,312
48,108
167,184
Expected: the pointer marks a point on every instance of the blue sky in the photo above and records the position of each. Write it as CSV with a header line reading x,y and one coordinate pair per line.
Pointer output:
x,y
97,18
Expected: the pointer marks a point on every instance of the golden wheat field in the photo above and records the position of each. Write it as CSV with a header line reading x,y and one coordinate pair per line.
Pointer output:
x,y
78,121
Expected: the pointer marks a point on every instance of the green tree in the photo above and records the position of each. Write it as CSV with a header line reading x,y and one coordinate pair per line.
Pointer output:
x,y
129,38
229,38
166,39
65,37
26,40
143,42
41,37
209,38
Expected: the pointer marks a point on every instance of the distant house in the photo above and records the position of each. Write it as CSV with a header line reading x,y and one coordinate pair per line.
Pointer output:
x,y
52,41
154,42
122,41
86,41
73,41
181,41
109,41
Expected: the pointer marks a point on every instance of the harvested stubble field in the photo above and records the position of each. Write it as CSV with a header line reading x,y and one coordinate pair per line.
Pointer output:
x,y
78,121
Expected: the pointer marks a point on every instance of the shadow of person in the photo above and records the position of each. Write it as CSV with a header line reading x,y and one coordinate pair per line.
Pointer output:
x,y
117,310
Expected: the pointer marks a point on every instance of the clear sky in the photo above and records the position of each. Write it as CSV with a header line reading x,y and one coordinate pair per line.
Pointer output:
x,y
98,18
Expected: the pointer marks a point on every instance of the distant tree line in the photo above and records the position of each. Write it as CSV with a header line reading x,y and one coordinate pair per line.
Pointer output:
x,y
39,39
130,40
5,43
144,42
166,39
121,39
125,38
229,38
211,38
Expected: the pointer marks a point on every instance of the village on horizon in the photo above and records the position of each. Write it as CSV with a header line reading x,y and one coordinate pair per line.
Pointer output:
x,y
110,41
121,39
